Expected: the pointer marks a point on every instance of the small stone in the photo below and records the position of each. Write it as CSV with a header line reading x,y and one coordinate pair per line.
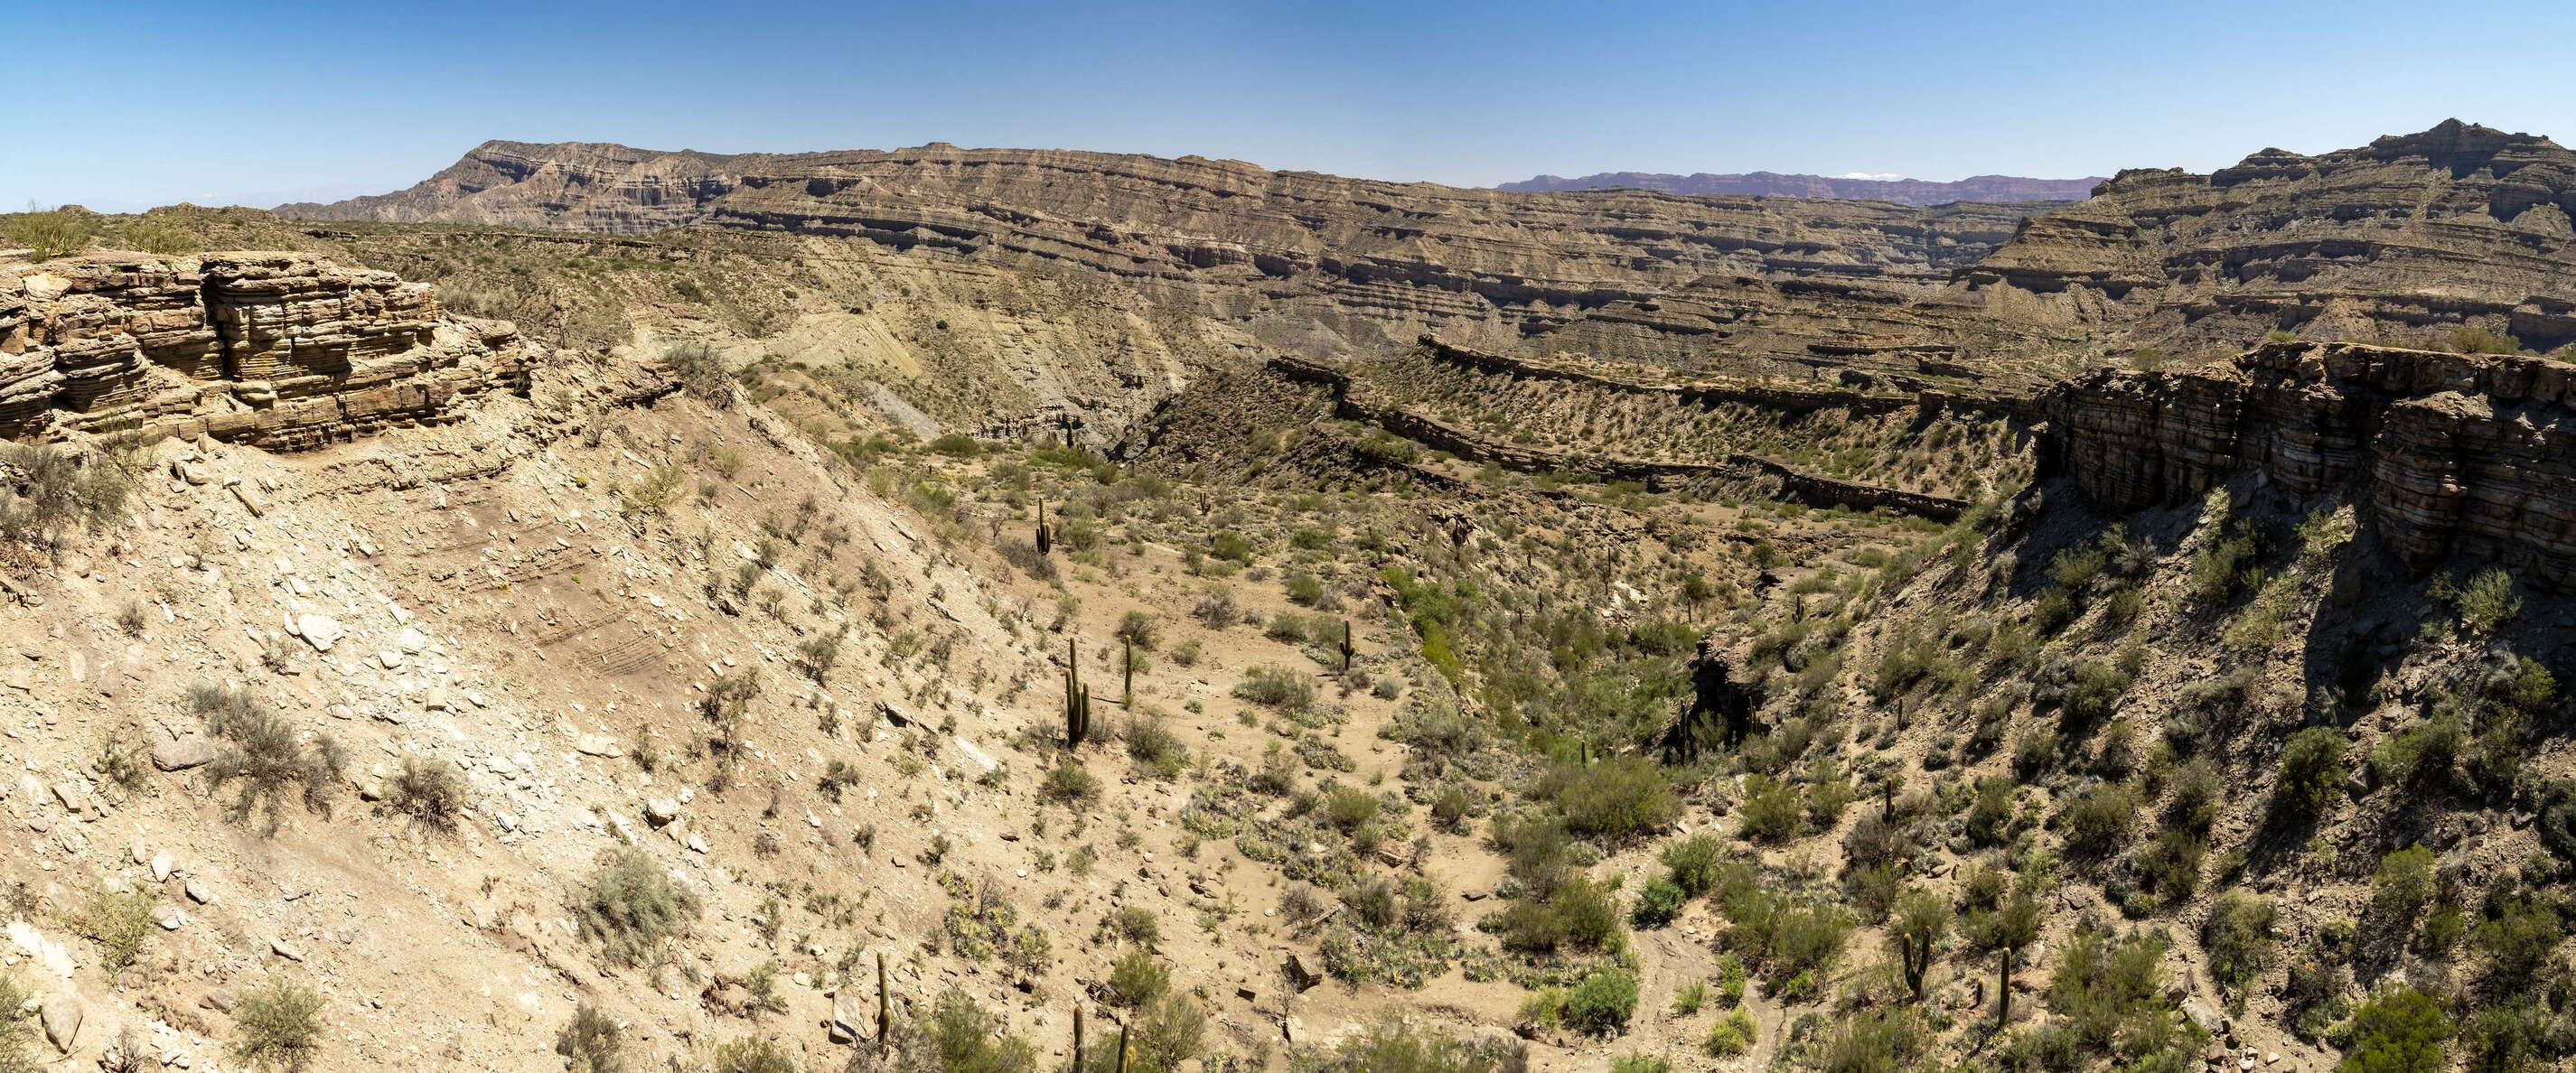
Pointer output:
x,y
320,631
198,892
181,755
62,1017
282,948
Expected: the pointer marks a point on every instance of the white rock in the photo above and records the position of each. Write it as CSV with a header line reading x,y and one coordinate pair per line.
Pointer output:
x,y
320,631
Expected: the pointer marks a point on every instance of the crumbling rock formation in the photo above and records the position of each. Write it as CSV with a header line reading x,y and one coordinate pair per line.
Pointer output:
x,y
279,349
2447,453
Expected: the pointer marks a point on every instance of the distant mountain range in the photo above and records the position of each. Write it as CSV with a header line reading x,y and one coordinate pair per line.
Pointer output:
x,y
1900,191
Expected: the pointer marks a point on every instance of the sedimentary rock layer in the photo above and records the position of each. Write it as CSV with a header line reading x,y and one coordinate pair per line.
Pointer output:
x,y
2447,453
275,348
1775,184
1778,286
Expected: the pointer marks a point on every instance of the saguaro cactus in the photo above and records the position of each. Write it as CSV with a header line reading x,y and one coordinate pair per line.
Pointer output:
x,y
1347,650
885,1006
1128,672
1077,699
1077,1035
1046,541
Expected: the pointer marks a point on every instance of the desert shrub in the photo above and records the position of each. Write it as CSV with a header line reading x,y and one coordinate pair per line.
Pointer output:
x,y
1162,1037
1733,1034
2402,887
1277,687
632,907
1877,1040
967,1039
1771,811
592,1042
2312,770
752,1054
1287,628
1398,1045
2097,822
1657,904
1140,629
2238,937
1136,978
2195,801
2169,867
1217,610
956,445
278,1026
2485,604
2520,937
45,488
50,233
263,754
120,922
1601,1003
2312,998
1231,547
1136,924
2091,694
430,791
701,373
2502,1038
2223,568
1613,800
1068,782
1990,813
2401,1030
1693,862
17,1027
2034,752
1151,742
1304,589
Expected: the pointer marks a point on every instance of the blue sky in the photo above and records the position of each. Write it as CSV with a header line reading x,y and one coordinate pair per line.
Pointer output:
x,y
149,102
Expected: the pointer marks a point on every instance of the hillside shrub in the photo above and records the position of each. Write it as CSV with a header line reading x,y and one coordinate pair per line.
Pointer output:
x,y
265,756
278,1027
2401,1030
1601,1003
2312,771
631,907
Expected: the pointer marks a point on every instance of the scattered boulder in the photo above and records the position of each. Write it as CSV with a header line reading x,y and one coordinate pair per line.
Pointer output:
x,y
183,753
320,631
62,1015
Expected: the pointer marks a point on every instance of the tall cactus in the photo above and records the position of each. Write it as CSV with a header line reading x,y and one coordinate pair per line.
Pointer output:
x,y
1347,650
1122,1049
1077,1036
1128,672
1046,540
885,1006
1077,699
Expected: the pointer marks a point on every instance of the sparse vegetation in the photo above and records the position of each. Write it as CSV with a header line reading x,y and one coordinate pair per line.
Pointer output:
x,y
631,908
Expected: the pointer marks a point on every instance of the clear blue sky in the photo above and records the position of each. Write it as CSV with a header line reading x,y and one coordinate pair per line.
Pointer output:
x,y
141,102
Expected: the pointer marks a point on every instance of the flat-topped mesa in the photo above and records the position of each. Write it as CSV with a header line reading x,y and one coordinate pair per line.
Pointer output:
x,y
2446,453
280,349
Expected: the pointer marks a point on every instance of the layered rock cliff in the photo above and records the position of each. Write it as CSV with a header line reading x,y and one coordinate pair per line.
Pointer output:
x,y
279,349
2449,453
2385,242
1775,184
1776,286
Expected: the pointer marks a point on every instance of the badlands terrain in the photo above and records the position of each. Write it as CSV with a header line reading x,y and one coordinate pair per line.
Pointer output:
x,y
956,609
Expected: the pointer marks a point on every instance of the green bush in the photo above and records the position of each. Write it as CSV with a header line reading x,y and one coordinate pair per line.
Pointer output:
x,y
120,922
2097,823
1277,687
1601,1003
1612,800
752,1054
1657,904
1070,783
1694,862
2312,771
2401,1030
2402,887
1733,1034
701,373
1137,978
969,1040
278,1027
1398,1045
632,908
50,233
1771,811
2238,937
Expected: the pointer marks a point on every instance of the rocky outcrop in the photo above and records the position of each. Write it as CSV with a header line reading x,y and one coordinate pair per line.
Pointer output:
x,y
2385,242
2448,453
1775,184
279,349
1353,402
